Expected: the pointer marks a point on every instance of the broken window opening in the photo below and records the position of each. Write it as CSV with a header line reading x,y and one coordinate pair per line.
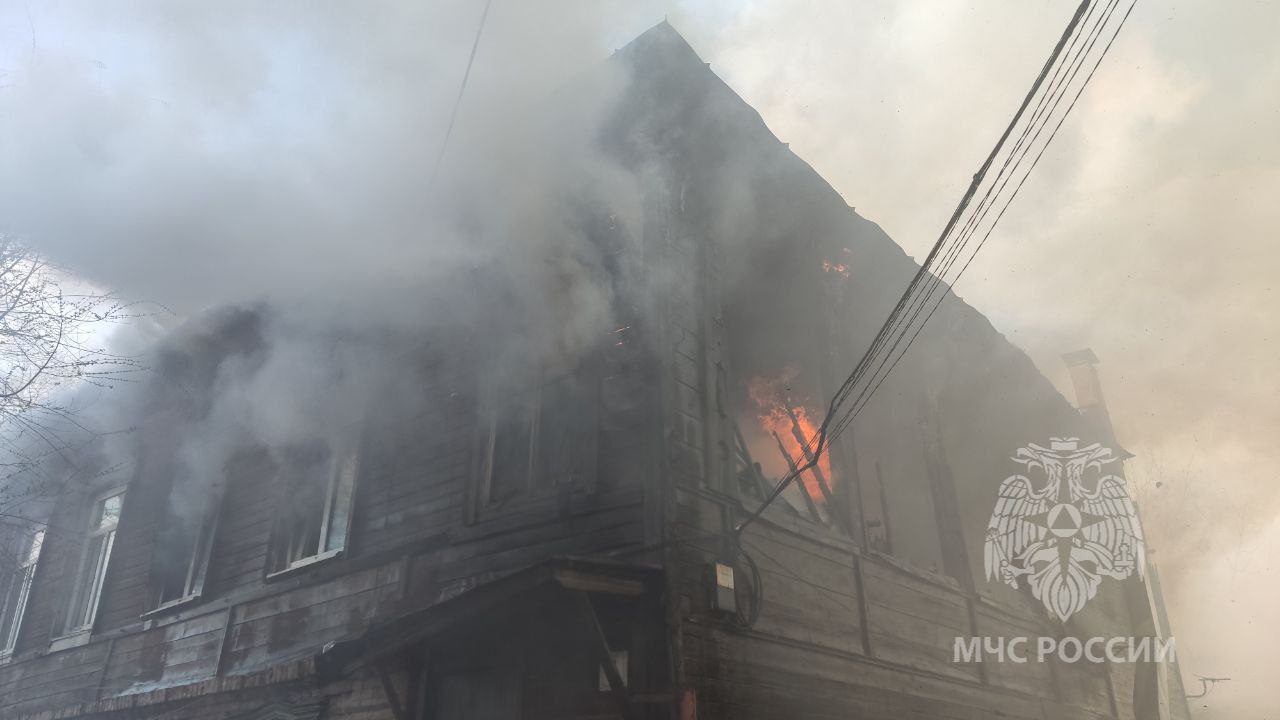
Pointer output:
x,y
104,517
316,521
775,436
15,589
542,442
181,560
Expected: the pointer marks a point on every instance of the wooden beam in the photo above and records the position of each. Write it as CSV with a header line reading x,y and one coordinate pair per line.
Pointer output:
x,y
798,433
804,489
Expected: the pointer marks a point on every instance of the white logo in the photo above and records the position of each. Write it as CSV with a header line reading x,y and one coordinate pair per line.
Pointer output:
x,y
1063,533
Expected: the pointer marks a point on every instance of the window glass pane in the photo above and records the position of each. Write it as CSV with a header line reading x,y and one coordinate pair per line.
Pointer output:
x,y
302,519
509,471
15,589
93,567
14,586
343,490
90,582
317,505
33,552
178,548
109,512
304,505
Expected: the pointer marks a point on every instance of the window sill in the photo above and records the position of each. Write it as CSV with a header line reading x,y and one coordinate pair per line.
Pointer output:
x,y
170,606
298,566
70,640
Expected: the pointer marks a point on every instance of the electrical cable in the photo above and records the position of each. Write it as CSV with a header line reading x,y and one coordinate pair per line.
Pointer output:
x,y
1056,91
858,408
920,291
846,388
925,270
457,102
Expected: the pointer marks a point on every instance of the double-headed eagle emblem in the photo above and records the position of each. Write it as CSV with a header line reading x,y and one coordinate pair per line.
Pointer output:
x,y
1064,532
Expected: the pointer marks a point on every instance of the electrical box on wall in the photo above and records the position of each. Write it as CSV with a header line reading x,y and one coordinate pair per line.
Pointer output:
x,y
723,597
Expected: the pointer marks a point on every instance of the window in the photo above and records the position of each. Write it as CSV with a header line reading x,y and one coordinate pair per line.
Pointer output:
x,y
316,520
875,511
181,558
103,519
15,588
541,442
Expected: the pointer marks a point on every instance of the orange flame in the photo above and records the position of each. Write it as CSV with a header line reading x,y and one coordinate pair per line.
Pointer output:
x,y
782,415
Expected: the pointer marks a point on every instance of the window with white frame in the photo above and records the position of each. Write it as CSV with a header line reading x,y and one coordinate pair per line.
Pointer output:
x,y
15,587
181,557
315,521
104,517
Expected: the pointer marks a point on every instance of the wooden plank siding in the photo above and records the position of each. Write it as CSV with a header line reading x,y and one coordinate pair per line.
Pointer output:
x,y
842,631
740,675
410,547
805,654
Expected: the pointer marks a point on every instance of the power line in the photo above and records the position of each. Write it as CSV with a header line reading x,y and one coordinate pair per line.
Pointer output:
x,y
462,88
1050,100
859,369
923,272
993,193
937,278
1038,121
1063,76
1017,189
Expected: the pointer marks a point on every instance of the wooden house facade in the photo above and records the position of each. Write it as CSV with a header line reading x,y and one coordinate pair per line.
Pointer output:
x,y
550,550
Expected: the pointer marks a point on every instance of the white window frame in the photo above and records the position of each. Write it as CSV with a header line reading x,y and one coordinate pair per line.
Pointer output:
x,y
343,468
76,633
23,575
197,564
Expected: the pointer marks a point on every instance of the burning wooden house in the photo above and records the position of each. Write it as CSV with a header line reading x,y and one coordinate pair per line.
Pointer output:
x,y
551,544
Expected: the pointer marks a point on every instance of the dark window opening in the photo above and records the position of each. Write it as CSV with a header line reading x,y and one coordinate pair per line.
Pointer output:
x,y
541,441
775,422
15,586
315,517
180,561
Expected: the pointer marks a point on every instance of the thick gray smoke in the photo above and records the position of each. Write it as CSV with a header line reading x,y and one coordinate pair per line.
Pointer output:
x,y
195,156
199,154
283,160
1147,233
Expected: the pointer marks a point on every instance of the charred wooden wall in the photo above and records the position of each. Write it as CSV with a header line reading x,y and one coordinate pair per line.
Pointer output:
x,y
411,545
844,630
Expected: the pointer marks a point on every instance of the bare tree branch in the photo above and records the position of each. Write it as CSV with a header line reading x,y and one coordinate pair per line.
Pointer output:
x,y
52,339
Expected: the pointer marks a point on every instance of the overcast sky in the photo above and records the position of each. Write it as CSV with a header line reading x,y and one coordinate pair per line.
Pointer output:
x,y
157,149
